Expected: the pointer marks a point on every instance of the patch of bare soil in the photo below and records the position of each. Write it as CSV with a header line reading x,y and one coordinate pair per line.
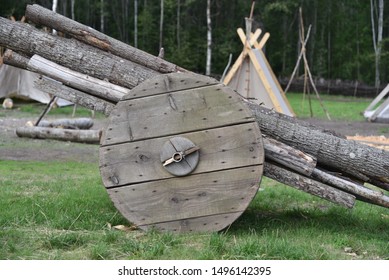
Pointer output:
x,y
362,128
372,134
380,142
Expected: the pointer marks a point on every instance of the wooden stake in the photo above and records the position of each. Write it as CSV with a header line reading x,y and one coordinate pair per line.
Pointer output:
x,y
46,110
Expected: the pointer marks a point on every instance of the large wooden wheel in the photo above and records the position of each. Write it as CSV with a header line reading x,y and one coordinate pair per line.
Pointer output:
x,y
181,153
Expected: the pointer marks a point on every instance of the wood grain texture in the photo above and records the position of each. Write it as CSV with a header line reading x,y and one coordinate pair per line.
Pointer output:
x,y
85,83
165,83
216,121
83,136
175,113
178,198
207,223
221,148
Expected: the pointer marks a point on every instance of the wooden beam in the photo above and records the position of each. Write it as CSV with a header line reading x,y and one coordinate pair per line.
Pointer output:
x,y
77,80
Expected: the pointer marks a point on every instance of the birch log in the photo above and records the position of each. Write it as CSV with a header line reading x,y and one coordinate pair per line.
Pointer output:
x,y
15,59
83,136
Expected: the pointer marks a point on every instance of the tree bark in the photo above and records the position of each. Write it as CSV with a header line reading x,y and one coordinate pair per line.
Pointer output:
x,y
350,157
80,123
72,54
83,136
15,59
308,185
288,157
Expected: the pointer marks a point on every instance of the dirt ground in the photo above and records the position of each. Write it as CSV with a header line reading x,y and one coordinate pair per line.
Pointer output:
x,y
14,148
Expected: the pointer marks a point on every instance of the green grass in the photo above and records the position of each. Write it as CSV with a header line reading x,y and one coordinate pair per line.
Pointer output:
x,y
61,210
338,107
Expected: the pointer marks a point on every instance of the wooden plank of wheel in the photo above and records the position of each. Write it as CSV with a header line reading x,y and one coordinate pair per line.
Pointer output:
x,y
181,153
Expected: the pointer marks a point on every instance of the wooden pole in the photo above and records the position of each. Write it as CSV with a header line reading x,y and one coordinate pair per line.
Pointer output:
x,y
85,83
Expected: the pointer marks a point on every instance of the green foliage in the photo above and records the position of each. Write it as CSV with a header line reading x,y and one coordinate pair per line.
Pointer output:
x,y
340,44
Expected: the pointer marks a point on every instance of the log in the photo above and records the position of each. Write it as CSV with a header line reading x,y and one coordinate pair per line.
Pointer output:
x,y
288,156
79,123
88,35
347,156
83,136
78,97
308,185
15,59
360,191
70,53
85,83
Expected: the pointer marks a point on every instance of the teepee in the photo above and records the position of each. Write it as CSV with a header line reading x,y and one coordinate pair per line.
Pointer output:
x,y
376,112
252,77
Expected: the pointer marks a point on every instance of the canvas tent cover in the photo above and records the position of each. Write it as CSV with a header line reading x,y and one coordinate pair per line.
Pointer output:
x,y
252,76
377,112
16,82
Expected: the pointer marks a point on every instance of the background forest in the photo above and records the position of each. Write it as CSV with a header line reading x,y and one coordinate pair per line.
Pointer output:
x,y
349,39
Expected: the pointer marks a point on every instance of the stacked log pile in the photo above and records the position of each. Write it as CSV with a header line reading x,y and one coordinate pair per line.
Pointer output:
x,y
95,71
